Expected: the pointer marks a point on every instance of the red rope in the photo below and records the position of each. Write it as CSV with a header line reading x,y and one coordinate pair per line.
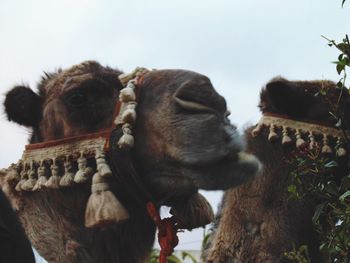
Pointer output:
x,y
167,232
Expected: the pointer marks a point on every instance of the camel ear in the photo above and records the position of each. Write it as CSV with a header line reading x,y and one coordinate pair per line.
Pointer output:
x,y
22,105
286,97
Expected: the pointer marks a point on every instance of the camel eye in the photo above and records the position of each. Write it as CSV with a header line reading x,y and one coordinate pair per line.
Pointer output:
x,y
76,98
193,106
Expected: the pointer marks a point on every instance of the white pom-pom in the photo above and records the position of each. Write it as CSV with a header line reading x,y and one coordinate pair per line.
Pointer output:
x,y
300,141
30,183
68,178
42,180
286,140
255,132
127,140
54,181
129,115
273,136
102,167
326,149
127,94
341,152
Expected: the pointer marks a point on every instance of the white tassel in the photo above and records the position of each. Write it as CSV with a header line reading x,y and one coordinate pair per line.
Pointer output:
x,y
24,177
326,149
102,167
13,176
128,94
129,115
54,180
286,140
84,172
341,152
272,135
300,141
103,207
127,140
312,143
125,78
68,177
255,132
30,183
41,182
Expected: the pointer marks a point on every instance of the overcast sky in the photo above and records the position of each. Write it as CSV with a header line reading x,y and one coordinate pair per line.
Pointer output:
x,y
238,44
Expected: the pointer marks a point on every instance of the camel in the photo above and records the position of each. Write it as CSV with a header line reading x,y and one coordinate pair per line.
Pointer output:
x,y
259,221
15,246
181,141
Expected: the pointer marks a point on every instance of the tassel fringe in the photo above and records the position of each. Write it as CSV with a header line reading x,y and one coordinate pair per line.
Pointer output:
x,y
42,180
30,183
84,173
54,180
103,208
295,131
68,177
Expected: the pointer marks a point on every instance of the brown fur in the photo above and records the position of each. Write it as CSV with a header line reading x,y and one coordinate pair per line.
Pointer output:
x,y
15,246
259,221
177,150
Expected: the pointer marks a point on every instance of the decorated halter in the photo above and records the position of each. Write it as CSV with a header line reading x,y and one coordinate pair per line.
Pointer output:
x,y
41,163
290,131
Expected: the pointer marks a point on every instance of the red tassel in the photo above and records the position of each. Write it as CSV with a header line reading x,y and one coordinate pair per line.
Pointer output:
x,y
167,232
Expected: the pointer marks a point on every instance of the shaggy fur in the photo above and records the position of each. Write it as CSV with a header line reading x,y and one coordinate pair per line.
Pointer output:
x,y
15,246
23,106
259,221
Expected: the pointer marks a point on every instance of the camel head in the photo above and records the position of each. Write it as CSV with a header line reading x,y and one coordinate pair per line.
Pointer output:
x,y
259,221
182,133
305,100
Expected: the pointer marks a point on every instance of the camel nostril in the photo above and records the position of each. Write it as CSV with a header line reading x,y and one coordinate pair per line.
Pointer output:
x,y
199,94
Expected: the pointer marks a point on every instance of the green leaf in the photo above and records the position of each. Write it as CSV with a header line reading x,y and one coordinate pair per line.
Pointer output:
x,y
331,164
188,255
345,195
292,188
331,188
338,124
340,68
339,84
323,92
323,246
173,259
345,183
318,212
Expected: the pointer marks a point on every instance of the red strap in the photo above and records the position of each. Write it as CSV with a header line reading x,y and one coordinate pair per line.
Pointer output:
x,y
167,232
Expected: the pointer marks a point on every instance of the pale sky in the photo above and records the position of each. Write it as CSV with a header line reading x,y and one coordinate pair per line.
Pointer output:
x,y
238,44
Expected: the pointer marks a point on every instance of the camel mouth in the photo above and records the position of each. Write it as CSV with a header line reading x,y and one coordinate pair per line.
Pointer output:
x,y
249,159
223,173
239,158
